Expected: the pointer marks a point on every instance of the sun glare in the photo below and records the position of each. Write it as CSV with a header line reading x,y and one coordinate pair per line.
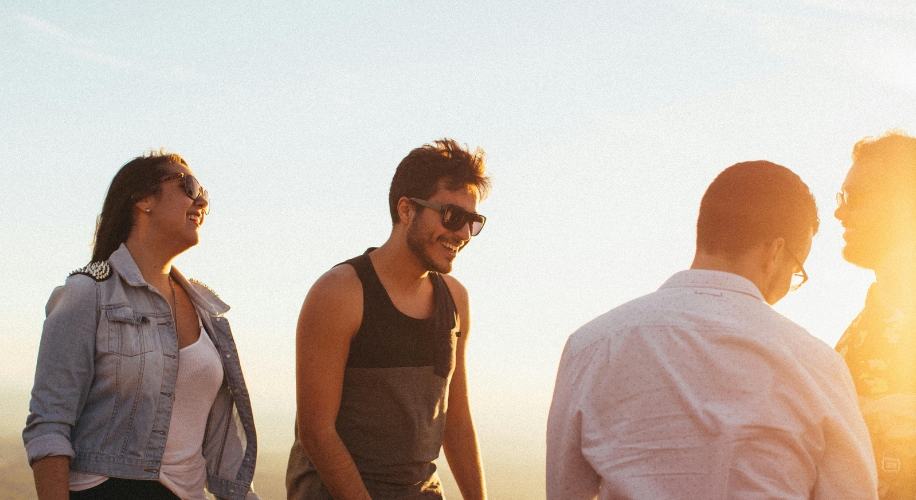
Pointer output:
x,y
898,67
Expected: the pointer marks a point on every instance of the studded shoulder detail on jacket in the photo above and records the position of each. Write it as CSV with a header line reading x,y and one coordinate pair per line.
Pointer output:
x,y
196,282
99,270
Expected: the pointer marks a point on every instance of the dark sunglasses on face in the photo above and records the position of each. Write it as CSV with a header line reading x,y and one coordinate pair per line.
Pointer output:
x,y
454,217
191,187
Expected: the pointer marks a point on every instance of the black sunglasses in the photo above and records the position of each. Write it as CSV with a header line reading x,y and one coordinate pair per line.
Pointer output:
x,y
454,217
192,187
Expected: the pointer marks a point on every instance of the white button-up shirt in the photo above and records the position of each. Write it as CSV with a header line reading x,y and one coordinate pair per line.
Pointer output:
x,y
702,391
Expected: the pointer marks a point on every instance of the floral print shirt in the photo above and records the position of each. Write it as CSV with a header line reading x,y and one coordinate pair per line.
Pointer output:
x,y
880,349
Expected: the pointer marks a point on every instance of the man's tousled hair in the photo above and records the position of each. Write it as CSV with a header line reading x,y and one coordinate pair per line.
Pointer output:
x,y
753,203
895,151
444,162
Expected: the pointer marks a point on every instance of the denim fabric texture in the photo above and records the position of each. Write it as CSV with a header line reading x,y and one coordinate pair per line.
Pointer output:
x,y
105,379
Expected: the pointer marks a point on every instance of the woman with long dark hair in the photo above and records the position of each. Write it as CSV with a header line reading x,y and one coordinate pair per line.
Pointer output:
x,y
138,389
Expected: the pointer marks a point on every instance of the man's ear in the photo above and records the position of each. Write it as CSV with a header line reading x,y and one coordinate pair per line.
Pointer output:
x,y
771,253
406,210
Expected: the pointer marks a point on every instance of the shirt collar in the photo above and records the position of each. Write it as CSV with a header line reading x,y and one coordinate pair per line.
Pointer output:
x,y
123,263
201,295
715,280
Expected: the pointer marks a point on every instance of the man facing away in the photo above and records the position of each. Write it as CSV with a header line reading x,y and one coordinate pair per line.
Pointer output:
x,y
380,348
877,208
701,390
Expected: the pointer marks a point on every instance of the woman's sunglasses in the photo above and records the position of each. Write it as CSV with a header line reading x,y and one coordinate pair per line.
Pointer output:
x,y
191,187
454,217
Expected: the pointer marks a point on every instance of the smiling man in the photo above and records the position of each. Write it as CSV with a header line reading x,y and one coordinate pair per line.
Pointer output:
x,y
701,390
380,348
877,208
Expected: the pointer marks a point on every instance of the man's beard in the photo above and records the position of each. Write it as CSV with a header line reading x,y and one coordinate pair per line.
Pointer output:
x,y
867,251
416,242
858,257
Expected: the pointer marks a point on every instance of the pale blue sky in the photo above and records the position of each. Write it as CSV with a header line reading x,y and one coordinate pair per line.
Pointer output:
x,y
603,123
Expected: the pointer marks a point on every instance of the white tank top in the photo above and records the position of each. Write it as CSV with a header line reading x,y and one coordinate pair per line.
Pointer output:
x,y
183,469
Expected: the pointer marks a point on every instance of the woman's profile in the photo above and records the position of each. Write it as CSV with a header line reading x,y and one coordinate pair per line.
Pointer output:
x,y
138,388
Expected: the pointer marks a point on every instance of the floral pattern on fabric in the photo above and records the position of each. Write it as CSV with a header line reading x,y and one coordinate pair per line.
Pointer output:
x,y
880,349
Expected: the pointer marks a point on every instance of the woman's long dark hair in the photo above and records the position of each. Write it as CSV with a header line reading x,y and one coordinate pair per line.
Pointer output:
x,y
136,180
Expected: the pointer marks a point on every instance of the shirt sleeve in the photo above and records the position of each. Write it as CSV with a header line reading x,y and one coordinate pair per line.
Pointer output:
x,y
569,474
847,469
65,368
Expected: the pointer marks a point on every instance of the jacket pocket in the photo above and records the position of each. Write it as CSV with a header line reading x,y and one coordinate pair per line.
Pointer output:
x,y
128,332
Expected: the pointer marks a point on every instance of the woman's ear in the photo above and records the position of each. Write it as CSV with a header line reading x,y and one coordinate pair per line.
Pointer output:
x,y
145,205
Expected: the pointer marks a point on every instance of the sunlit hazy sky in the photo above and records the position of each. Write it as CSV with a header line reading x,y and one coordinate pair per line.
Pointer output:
x,y
603,123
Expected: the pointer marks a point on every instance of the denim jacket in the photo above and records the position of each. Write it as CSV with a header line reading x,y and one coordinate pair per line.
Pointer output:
x,y
105,379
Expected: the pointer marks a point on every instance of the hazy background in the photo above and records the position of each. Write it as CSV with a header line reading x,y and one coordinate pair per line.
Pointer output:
x,y
603,122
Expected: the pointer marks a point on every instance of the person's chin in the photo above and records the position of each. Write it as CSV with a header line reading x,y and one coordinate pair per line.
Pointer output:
x,y
189,242
859,256
440,267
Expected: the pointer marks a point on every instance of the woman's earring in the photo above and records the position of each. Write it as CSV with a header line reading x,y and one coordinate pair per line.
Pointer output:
x,y
147,210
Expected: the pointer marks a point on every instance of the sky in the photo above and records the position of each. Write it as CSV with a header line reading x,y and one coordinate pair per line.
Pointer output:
x,y
603,123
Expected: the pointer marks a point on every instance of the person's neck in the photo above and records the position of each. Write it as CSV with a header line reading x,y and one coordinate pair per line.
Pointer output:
x,y
895,277
397,265
746,265
153,261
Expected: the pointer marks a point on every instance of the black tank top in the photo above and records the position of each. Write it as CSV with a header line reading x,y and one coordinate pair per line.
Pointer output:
x,y
388,338
394,399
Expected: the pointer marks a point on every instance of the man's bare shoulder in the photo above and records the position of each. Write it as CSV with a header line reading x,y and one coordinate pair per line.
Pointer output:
x,y
455,287
340,283
459,293
334,302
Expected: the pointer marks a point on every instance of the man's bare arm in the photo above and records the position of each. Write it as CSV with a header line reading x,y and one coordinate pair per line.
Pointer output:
x,y
330,317
460,441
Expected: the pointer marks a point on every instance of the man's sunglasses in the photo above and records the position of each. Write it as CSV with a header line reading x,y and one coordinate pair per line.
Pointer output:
x,y
454,217
191,187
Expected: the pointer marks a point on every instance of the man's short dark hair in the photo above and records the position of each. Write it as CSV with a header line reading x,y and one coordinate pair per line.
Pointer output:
x,y
753,203
419,174
895,152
